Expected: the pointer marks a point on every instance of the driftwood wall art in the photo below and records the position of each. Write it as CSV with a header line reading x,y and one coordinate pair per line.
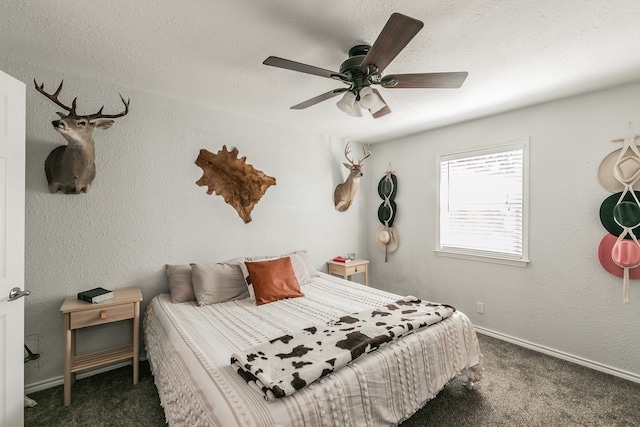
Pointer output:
x,y
240,184
71,168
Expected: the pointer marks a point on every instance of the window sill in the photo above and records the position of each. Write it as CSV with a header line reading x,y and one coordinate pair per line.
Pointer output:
x,y
482,258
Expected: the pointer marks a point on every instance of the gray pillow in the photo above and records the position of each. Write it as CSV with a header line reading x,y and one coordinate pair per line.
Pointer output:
x,y
213,283
180,286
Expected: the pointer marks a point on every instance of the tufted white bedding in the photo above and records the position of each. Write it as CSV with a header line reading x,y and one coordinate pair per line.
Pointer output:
x,y
189,349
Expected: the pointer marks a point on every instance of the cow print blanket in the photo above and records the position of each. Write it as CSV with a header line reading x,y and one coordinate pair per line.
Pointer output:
x,y
284,365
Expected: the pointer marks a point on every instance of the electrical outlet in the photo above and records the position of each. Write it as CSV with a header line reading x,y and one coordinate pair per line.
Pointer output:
x,y
480,307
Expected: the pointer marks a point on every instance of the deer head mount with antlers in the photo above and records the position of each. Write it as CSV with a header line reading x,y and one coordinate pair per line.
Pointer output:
x,y
71,168
345,192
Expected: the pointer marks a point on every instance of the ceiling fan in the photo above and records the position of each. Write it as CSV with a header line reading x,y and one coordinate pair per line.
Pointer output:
x,y
365,66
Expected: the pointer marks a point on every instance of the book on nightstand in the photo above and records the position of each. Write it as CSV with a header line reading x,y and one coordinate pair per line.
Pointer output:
x,y
341,259
95,295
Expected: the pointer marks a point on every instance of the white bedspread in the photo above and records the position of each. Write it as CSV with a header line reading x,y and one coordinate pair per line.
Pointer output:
x,y
189,348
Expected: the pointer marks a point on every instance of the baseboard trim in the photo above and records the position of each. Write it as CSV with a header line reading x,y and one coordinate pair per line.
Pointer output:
x,y
561,355
56,381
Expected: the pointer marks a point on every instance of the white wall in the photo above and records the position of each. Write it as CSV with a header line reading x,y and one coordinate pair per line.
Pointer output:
x,y
563,300
144,209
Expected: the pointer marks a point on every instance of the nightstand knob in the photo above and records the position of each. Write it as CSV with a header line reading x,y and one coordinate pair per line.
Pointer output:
x,y
103,314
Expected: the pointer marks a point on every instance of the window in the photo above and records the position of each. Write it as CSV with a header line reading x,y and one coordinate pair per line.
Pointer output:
x,y
482,204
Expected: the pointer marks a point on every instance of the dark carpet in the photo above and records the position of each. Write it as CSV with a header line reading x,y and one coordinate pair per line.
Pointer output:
x,y
521,388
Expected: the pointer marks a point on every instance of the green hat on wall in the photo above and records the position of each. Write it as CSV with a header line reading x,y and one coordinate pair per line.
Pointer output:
x,y
625,214
387,188
387,213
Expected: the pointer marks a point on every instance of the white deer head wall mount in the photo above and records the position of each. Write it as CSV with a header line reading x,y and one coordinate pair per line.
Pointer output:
x,y
71,168
345,192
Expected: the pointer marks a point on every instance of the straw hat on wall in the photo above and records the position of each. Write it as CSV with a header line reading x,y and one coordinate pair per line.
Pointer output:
x,y
387,238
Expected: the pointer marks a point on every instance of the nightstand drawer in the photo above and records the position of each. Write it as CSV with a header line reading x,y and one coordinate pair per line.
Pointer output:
x,y
100,315
349,270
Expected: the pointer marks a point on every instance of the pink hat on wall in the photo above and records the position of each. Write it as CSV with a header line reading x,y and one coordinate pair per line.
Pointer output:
x,y
625,254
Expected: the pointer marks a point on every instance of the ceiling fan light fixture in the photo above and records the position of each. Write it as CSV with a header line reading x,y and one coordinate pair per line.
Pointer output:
x,y
348,104
368,98
356,111
379,105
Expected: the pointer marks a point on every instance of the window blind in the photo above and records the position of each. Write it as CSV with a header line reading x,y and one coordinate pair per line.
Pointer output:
x,y
482,202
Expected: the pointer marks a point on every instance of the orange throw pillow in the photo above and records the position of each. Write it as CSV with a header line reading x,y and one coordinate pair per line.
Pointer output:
x,y
273,280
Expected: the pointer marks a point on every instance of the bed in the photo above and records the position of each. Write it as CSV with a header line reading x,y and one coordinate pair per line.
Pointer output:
x,y
189,348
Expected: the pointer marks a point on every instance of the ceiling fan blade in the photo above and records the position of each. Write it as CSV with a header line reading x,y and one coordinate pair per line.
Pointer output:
x,y
318,99
384,111
396,34
274,61
427,80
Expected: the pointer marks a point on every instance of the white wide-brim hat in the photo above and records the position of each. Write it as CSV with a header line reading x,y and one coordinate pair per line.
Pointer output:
x,y
387,237
628,168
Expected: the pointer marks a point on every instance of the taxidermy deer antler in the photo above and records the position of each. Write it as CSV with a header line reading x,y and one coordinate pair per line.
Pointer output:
x,y
345,192
71,168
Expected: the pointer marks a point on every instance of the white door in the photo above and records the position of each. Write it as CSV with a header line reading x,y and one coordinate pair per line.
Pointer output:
x,y
12,168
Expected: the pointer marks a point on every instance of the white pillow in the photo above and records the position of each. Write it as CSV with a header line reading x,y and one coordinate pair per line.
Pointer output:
x,y
307,261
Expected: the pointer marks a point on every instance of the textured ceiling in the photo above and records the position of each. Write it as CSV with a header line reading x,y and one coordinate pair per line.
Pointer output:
x,y
517,53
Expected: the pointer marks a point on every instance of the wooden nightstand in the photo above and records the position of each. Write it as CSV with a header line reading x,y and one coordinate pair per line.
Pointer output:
x,y
348,269
80,314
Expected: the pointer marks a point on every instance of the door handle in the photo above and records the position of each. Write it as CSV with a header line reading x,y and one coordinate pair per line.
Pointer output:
x,y
16,293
